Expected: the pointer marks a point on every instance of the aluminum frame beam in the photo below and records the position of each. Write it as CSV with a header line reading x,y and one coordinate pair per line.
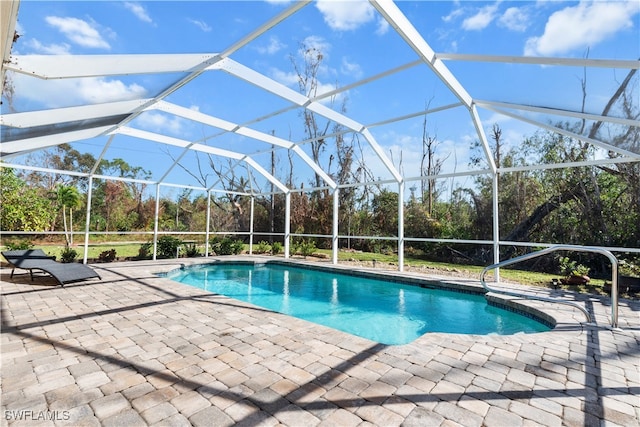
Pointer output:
x,y
193,65
66,114
244,131
558,112
53,116
600,144
137,133
540,60
245,73
8,20
21,146
412,37
296,6
57,66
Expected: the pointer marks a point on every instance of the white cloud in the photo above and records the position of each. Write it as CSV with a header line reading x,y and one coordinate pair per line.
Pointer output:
x,y
52,49
403,151
274,46
314,45
100,90
161,123
310,48
351,69
515,19
139,11
455,13
398,148
495,118
68,92
289,79
581,26
201,24
332,100
317,43
482,19
406,147
345,15
383,27
78,31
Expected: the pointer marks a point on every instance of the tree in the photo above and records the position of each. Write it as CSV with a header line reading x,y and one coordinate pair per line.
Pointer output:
x,y
581,186
308,83
113,202
67,197
340,165
456,216
234,185
60,157
136,208
22,208
483,196
385,213
418,222
430,166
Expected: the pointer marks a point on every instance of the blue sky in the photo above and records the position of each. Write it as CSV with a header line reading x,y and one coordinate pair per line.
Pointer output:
x,y
356,43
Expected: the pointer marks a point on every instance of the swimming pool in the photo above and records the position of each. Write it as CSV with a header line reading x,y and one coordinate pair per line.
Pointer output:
x,y
388,312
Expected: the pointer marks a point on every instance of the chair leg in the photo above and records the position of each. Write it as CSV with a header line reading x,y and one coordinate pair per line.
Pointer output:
x,y
12,270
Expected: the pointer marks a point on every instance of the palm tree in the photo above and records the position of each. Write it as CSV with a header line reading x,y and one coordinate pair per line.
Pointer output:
x,y
68,197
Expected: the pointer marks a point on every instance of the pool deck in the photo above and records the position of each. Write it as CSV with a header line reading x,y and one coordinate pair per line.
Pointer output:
x,y
137,349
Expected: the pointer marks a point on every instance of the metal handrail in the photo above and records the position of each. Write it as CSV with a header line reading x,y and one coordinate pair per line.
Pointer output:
x,y
614,278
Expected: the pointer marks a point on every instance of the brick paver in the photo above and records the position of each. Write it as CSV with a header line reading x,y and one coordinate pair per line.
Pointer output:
x,y
136,349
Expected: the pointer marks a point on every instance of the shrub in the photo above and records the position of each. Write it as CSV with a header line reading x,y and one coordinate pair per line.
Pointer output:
x,y
263,247
237,247
227,246
191,250
580,270
168,246
569,268
68,255
386,250
107,256
145,250
294,248
307,248
19,245
216,246
628,268
276,248
374,246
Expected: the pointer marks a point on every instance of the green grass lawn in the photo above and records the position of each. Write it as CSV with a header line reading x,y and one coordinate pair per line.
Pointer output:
x,y
519,276
127,250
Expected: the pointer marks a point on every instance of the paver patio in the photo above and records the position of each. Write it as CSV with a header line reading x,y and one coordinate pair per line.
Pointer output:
x,y
137,349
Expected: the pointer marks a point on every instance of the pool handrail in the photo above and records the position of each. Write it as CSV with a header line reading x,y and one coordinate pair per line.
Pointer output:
x,y
608,254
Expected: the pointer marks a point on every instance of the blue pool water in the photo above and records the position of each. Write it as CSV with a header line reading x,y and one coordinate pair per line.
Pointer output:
x,y
382,311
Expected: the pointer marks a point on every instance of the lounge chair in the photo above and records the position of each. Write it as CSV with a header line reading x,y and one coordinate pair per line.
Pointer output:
x,y
36,259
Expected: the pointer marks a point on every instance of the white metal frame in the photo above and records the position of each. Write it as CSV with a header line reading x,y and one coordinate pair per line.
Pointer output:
x,y
194,65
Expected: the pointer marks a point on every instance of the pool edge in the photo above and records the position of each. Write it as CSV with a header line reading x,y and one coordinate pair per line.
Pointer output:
x,y
516,305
